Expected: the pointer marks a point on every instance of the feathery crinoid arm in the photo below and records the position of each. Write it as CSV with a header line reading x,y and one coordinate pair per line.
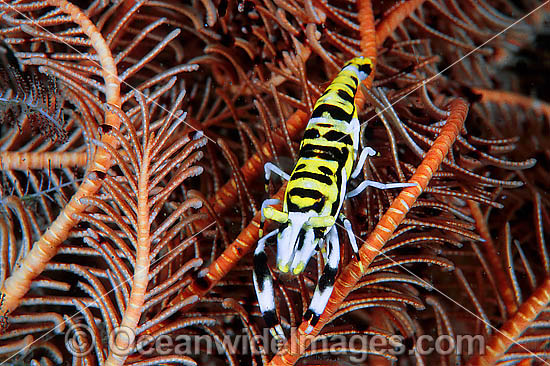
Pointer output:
x,y
32,94
138,213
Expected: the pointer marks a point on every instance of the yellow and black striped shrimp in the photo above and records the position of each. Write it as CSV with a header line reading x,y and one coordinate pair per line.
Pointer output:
x,y
315,193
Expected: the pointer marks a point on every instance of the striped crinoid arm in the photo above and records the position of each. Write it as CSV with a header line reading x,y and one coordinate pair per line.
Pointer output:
x,y
522,335
514,258
154,232
519,232
514,340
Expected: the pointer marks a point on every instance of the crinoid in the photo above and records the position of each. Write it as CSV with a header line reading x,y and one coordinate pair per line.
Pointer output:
x,y
31,94
128,219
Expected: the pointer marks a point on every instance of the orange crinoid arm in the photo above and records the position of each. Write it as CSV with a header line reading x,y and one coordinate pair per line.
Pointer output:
x,y
514,327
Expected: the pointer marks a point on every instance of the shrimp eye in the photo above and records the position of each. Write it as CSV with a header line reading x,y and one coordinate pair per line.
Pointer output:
x,y
321,221
272,214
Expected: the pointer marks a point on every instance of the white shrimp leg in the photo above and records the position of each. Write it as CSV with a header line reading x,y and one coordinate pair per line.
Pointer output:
x,y
370,183
272,168
326,282
366,152
263,284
